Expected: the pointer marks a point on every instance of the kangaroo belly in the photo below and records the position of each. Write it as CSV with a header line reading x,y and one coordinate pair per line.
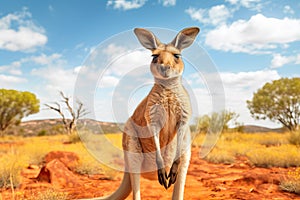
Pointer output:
x,y
149,167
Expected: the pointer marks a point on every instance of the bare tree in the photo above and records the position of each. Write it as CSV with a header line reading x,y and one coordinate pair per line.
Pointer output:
x,y
76,113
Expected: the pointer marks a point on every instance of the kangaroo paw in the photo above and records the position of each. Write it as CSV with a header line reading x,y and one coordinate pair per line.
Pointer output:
x,y
173,174
162,177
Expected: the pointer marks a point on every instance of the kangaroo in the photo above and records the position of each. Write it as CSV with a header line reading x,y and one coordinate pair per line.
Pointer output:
x,y
157,136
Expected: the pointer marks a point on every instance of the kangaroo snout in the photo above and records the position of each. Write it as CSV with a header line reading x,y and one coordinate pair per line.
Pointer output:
x,y
165,70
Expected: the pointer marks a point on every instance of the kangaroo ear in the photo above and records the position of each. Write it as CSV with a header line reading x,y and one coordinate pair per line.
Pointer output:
x,y
147,38
185,37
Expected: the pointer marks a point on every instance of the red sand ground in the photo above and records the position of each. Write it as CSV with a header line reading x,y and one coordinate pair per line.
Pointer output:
x,y
204,181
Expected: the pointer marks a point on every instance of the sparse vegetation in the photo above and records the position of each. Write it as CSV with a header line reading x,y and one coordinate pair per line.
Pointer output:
x,y
291,184
49,194
219,156
75,113
10,170
74,137
282,156
294,138
19,152
216,122
262,150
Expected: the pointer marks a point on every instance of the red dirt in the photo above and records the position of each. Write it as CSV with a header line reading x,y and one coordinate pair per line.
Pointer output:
x,y
204,181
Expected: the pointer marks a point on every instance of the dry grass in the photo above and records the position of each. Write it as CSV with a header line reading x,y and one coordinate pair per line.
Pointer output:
x,y
262,149
10,170
220,156
291,183
49,194
281,156
292,186
25,151
294,138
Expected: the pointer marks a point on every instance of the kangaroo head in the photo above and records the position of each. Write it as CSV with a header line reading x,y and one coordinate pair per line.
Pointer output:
x,y
167,62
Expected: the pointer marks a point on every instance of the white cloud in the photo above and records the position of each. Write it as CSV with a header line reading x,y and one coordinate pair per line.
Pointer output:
x,y
44,59
279,60
7,81
216,15
14,67
288,10
53,72
126,5
129,62
238,88
250,4
168,2
18,32
248,80
108,81
122,61
113,51
56,79
257,35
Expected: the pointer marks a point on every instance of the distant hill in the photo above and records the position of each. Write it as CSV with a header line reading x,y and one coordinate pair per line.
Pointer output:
x,y
261,129
55,126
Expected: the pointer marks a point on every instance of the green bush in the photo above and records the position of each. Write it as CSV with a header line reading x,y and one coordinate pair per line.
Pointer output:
x,y
42,133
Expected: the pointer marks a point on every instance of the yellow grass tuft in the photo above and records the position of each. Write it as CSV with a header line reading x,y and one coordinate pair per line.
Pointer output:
x,y
49,194
220,156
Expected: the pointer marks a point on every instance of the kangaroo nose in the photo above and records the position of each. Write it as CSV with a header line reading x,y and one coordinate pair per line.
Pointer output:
x,y
165,67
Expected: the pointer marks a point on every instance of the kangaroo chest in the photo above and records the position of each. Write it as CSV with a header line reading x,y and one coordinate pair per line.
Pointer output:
x,y
174,104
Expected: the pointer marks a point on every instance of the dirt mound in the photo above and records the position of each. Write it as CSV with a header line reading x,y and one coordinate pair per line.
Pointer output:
x,y
69,159
56,173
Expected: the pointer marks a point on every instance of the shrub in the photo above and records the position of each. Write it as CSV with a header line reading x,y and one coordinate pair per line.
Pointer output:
x,y
290,185
42,133
74,138
49,194
218,156
294,138
88,167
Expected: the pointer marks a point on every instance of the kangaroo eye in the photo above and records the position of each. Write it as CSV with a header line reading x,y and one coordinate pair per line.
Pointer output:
x,y
177,55
155,56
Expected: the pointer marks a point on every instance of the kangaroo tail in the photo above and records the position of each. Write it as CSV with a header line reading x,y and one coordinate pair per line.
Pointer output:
x,y
121,193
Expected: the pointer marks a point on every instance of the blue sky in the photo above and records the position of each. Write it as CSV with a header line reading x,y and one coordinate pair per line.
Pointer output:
x,y
45,44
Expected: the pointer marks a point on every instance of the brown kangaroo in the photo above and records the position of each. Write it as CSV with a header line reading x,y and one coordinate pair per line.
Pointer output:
x,y
157,136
